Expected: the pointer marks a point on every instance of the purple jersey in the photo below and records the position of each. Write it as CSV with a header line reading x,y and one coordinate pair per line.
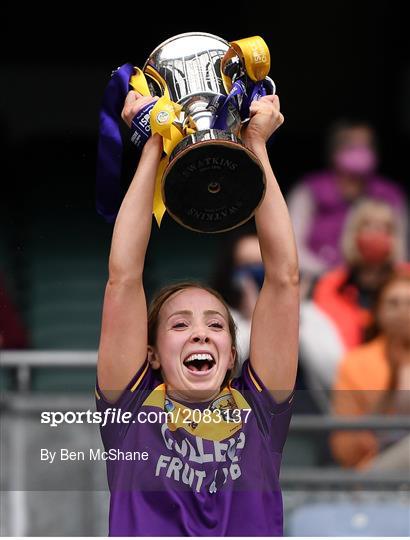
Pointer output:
x,y
212,469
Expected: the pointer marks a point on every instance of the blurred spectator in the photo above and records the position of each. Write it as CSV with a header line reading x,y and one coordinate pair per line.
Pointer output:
x,y
13,334
320,201
375,379
239,278
334,320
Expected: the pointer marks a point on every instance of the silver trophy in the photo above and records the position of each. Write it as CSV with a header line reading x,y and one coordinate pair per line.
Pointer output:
x,y
212,182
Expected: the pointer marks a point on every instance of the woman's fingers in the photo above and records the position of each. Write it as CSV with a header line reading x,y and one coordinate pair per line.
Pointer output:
x,y
265,118
131,97
271,97
134,101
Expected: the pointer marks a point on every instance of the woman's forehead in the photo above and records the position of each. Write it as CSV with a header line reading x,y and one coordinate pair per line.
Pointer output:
x,y
354,135
377,214
396,288
194,300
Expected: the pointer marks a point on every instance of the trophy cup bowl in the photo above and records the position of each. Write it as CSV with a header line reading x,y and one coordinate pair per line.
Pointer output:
x,y
212,182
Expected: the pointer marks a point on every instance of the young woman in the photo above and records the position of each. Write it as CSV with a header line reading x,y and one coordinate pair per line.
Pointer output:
x,y
374,378
210,466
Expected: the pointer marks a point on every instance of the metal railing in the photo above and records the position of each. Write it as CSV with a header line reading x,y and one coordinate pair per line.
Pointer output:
x,y
24,361
23,402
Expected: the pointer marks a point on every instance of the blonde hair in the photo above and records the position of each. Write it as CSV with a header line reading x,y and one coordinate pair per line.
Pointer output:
x,y
367,208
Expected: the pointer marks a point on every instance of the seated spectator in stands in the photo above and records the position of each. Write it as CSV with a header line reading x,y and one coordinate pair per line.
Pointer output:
x,y
375,379
13,334
320,201
334,320
239,277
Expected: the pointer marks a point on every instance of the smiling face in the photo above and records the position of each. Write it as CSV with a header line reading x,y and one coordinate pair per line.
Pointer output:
x,y
193,345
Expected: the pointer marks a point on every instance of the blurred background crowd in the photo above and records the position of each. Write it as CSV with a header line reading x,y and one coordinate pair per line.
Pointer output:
x,y
341,158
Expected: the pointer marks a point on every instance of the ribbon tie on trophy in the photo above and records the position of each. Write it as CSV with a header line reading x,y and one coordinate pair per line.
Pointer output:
x,y
254,55
163,115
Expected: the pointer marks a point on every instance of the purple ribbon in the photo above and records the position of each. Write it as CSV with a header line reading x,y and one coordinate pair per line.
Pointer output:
x,y
255,92
238,91
109,158
243,95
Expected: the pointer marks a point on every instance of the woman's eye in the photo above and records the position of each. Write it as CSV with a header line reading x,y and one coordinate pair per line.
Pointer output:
x,y
179,325
216,325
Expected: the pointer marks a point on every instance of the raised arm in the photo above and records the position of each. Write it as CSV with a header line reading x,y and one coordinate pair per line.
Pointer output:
x,y
123,341
274,334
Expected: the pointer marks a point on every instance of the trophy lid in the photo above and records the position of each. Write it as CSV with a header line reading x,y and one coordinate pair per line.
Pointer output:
x,y
190,43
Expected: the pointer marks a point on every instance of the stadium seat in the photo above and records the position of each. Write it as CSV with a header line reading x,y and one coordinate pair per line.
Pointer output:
x,y
6,379
67,272
301,451
63,380
350,519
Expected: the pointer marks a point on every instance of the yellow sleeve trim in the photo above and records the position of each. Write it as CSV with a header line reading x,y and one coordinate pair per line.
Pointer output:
x,y
254,380
97,395
140,378
157,397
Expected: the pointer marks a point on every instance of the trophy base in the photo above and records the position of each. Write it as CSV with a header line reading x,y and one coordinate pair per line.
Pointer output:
x,y
212,183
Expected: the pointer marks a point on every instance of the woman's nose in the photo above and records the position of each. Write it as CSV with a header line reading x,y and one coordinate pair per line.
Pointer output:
x,y
200,337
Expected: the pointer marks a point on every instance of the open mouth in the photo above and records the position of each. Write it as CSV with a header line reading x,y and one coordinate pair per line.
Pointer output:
x,y
200,362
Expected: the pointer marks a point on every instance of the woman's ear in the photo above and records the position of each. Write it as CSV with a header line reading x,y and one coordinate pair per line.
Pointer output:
x,y
153,358
233,358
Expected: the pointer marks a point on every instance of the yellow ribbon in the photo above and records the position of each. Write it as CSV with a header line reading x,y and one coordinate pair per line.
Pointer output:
x,y
163,115
158,206
154,75
254,53
139,82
